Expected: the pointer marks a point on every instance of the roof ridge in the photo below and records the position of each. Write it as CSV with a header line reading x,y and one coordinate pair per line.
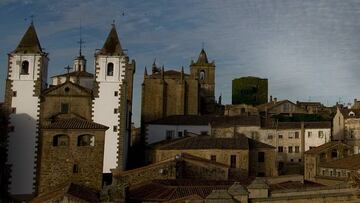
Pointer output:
x,y
112,44
29,42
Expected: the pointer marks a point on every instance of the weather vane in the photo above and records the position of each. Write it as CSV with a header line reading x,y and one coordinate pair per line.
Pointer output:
x,y
31,18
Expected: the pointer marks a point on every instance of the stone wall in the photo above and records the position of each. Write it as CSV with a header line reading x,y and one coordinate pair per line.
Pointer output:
x,y
57,162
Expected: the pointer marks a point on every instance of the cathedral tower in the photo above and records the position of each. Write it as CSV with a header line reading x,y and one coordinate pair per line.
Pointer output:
x,y
204,72
112,103
27,74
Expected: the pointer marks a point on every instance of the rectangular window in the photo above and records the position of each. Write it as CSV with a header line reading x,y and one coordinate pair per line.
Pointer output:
x,y
309,134
290,135
213,157
116,111
64,107
170,134
280,136
296,135
261,157
76,168
115,128
116,93
321,134
290,149
14,93
180,134
297,149
233,161
300,160
280,149
270,137
203,133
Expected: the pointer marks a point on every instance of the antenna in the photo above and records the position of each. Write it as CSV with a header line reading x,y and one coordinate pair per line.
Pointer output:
x,y
81,42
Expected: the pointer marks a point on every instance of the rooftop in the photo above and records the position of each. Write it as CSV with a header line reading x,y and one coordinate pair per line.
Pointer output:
x,y
350,163
74,123
325,146
29,42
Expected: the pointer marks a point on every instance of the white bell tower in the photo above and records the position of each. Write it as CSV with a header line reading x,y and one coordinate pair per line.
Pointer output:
x,y
27,74
110,106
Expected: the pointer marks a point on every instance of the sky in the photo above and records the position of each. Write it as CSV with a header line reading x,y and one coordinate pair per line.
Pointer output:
x,y
309,50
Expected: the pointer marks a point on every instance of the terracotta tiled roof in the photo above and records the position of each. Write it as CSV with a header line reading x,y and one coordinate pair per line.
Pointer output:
x,y
54,87
206,120
314,125
74,123
297,125
325,146
166,190
294,185
206,142
29,43
347,113
76,74
254,144
350,163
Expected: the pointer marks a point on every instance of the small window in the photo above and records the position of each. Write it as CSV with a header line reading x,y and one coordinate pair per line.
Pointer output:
x,y
338,174
202,75
334,153
24,68
297,149
75,168
116,93
13,110
67,89
86,140
331,173
233,161
270,137
110,69
180,134
309,134
290,149
261,157
296,135
60,140
14,93
170,134
280,136
115,128
213,157
64,107
116,111
203,133
321,134
280,149
300,160
291,160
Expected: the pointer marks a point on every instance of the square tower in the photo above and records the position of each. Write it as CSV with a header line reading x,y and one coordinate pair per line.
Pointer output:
x,y
27,74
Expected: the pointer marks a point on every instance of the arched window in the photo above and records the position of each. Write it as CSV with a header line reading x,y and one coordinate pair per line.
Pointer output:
x,y
86,140
202,75
24,68
110,69
60,140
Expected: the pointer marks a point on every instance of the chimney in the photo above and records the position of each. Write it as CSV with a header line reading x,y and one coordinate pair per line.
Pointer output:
x,y
355,101
275,100
271,98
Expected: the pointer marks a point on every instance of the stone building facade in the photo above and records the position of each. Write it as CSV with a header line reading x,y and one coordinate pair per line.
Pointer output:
x,y
346,127
166,93
71,147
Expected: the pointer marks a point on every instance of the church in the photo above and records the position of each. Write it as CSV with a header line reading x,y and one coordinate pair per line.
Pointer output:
x,y
72,131
171,92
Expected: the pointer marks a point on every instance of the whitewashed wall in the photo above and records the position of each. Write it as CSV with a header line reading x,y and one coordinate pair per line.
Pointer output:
x,y
157,132
104,105
23,140
314,140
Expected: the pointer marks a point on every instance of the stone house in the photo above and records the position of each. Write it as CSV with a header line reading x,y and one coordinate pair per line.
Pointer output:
x,y
346,127
243,155
240,110
71,145
177,126
320,156
311,107
275,107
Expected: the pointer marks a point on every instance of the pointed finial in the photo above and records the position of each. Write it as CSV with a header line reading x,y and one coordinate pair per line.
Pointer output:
x,y
31,17
154,63
113,23
202,45
81,42
145,72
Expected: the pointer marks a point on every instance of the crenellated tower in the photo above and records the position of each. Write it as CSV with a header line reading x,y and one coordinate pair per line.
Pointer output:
x,y
27,75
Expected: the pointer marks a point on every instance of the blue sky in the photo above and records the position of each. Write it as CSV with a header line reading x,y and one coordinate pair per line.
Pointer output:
x,y
309,49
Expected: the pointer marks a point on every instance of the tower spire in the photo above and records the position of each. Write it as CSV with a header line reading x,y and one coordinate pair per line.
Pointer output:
x,y
29,42
81,41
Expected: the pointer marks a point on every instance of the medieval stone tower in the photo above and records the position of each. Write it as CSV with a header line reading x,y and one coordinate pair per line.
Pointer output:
x,y
204,72
27,74
111,106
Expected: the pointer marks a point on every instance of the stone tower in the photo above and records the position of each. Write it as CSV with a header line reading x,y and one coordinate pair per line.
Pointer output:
x,y
112,106
204,72
27,74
